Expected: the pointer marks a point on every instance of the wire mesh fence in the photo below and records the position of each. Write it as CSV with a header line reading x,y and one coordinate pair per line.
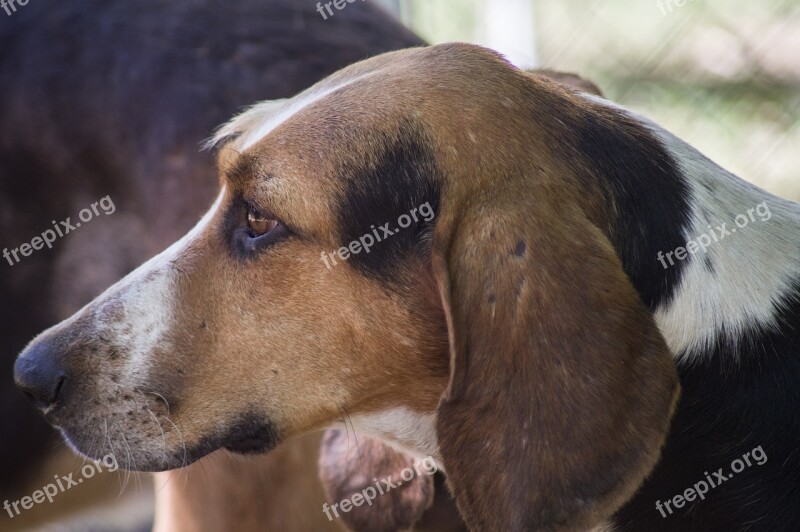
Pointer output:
x,y
722,74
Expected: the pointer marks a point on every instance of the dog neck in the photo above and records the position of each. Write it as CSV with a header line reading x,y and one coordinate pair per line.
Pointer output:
x,y
728,251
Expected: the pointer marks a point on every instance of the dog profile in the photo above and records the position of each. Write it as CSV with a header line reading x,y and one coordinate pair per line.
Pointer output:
x,y
526,337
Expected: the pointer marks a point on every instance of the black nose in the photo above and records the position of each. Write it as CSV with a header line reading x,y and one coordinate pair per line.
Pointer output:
x,y
39,374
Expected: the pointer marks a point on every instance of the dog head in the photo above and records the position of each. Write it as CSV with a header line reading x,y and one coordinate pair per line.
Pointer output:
x,y
406,245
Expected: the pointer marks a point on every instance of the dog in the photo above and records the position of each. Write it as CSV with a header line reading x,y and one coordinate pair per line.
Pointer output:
x,y
526,336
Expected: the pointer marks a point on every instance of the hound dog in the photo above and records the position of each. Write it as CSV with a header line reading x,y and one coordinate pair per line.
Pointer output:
x,y
526,336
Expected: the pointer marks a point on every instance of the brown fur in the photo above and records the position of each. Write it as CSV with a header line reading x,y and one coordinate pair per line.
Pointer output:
x,y
552,351
558,388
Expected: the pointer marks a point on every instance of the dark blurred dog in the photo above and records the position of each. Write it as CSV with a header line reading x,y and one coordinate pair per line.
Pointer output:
x,y
112,99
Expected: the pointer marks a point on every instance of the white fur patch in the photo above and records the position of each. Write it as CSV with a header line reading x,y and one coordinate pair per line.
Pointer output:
x,y
408,431
750,269
145,298
259,120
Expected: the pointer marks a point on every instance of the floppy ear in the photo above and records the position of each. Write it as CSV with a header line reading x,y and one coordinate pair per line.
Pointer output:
x,y
346,470
561,386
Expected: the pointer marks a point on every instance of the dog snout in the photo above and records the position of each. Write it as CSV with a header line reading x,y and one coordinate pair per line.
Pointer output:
x,y
40,374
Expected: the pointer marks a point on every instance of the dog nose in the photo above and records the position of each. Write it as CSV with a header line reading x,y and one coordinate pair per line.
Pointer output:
x,y
39,374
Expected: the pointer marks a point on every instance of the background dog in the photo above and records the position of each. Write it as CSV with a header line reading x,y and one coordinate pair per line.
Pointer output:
x,y
119,108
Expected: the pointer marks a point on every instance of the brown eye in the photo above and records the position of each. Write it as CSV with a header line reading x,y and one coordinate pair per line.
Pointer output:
x,y
258,224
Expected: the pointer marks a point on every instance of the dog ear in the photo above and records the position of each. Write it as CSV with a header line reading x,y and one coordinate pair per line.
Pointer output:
x,y
561,386
346,470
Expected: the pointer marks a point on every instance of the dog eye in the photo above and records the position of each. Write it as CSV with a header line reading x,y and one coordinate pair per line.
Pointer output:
x,y
253,230
259,224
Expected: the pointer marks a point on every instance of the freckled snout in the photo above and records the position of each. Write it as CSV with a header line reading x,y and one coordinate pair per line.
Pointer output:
x,y
84,379
40,374
122,375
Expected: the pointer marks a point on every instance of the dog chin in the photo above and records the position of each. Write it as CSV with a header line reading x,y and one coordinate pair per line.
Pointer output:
x,y
249,435
133,460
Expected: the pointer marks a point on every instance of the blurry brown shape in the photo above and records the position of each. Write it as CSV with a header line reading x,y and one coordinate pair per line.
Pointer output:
x,y
278,491
351,464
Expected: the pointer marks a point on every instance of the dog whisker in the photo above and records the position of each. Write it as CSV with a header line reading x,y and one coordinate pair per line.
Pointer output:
x,y
163,399
155,418
107,437
127,469
180,435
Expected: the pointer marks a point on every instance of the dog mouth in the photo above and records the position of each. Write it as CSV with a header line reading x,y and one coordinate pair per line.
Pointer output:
x,y
256,439
247,434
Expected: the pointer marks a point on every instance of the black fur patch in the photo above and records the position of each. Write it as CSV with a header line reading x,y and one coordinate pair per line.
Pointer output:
x,y
251,434
247,434
649,194
404,178
739,395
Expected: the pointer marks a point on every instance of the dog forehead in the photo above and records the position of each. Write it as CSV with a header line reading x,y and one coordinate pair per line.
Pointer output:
x,y
341,153
390,83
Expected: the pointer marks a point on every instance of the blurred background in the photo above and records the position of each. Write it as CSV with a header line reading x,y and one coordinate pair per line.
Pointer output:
x,y
723,75
122,102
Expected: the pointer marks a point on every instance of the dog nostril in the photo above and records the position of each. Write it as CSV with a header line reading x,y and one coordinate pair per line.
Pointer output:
x,y
29,396
40,376
44,396
59,386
